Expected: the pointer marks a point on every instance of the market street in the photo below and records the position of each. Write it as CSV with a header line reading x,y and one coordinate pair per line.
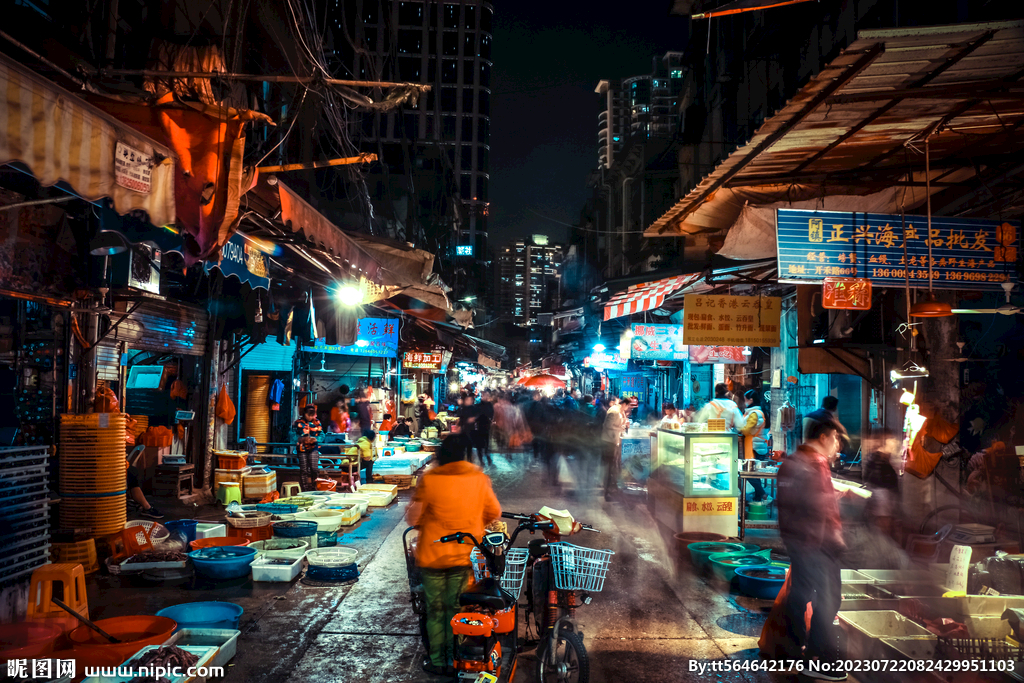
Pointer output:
x,y
646,625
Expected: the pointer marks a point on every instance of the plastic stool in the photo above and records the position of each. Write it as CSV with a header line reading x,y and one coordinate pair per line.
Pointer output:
x,y
290,488
72,580
229,492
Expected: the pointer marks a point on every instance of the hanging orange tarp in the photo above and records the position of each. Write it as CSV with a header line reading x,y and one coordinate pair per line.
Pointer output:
x,y
209,179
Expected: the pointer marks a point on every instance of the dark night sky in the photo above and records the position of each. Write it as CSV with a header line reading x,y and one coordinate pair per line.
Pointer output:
x,y
548,58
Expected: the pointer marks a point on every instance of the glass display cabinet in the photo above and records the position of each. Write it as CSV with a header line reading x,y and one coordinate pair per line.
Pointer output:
x,y
695,481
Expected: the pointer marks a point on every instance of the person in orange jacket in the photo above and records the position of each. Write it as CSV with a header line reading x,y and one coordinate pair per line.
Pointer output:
x,y
453,496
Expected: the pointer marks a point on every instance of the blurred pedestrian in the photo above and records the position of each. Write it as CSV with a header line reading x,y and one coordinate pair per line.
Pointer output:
x,y
307,434
881,479
755,446
810,526
614,425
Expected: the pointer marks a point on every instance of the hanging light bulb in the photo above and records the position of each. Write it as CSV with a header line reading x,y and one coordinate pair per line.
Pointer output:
x,y
259,312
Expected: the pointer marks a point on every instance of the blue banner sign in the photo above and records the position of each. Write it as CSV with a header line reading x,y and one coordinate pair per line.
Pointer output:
x,y
658,342
244,261
967,253
377,337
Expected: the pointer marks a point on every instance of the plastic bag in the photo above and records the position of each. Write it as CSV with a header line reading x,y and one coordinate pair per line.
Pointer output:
x,y
178,389
225,408
176,542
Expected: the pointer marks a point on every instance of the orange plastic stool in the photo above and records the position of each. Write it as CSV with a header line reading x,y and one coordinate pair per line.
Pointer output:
x,y
72,580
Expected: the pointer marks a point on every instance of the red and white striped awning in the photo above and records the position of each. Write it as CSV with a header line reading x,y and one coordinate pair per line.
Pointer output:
x,y
646,296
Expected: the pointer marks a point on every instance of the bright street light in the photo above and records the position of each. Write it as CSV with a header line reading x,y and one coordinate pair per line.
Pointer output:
x,y
599,347
349,295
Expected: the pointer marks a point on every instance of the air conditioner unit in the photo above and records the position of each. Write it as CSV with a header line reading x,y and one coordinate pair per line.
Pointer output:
x,y
138,268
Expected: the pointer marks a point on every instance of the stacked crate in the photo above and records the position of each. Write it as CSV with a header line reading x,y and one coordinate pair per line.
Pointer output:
x,y
25,498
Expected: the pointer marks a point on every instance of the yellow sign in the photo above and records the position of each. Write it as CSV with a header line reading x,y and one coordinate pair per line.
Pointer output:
x,y
731,320
694,507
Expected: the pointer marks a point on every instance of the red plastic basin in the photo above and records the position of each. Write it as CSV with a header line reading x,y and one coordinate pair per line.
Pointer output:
x,y
28,639
137,631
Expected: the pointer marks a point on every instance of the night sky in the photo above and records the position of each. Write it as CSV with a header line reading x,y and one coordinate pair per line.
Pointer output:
x,y
548,58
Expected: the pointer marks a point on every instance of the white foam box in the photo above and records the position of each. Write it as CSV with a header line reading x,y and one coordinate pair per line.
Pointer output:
x,y
210,530
225,640
275,569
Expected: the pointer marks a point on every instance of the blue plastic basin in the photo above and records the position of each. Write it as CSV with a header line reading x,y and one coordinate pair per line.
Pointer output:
x,y
204,615
223,562
766,588
185,526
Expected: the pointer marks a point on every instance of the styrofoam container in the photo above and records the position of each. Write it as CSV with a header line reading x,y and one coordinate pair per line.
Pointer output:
x,y
864,630
225,640
205,653
326,520
259,484
210,530
270,569
228,476
853,576
349,512
361,501
898,575
380,494
988,627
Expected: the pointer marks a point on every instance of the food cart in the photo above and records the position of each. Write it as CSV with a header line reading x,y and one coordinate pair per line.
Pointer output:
x,y
694,481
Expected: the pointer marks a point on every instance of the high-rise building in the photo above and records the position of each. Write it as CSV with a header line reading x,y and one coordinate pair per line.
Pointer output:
x,y
446,45
530,279
645,106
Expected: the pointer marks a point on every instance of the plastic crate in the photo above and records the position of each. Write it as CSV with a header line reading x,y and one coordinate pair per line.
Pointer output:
x,y
210,530
231,460
256,533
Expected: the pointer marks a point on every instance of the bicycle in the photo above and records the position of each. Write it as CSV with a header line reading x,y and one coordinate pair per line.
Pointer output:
x,y
560,578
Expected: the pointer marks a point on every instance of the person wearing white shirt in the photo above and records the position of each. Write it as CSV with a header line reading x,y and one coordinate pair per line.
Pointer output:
x,y
722,408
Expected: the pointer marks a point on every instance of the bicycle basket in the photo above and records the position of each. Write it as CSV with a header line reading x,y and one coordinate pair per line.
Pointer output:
x,y
579,569
515,569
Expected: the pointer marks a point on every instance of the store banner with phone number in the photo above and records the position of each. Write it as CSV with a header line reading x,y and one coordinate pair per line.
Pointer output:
x,y
893,251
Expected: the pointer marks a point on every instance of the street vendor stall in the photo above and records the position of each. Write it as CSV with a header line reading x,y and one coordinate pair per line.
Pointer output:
x,y
694,481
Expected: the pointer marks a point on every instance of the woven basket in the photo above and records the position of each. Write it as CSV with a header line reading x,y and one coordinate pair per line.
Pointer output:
x,y
250,520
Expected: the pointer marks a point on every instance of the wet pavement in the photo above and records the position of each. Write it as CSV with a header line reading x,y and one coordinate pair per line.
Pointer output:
x,y
651,619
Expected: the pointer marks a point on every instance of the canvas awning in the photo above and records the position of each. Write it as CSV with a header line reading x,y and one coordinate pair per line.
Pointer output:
x,y
62,138
854,135
646,297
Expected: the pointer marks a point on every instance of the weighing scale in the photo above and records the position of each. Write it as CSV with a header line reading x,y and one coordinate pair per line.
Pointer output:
x,y
184,417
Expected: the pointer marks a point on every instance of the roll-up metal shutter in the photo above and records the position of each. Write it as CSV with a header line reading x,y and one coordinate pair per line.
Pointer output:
x,y
270,356
107,363
171,328
349,368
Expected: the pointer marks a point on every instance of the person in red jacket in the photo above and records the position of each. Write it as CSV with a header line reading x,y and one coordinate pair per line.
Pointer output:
x,y
813,533
453,496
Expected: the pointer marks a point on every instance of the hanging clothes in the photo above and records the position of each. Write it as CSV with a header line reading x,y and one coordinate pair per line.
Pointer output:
x,y
304,320
276,391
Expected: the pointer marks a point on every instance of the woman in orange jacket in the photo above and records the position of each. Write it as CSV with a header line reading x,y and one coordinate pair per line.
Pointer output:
x,y
453,496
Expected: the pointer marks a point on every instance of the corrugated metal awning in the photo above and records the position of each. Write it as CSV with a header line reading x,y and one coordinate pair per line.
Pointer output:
x,y
858,127
60,137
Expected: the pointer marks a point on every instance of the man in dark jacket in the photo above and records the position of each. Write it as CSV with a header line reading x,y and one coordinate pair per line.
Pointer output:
x,y
811,529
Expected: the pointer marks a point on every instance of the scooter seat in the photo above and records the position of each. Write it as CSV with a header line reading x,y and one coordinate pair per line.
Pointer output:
x,y
487,594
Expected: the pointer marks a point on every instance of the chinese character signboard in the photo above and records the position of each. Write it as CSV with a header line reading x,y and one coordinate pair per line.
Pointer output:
x,y
377,337
464,250
851,294
967,253
419,360
633,385
710,355
133,169
709,506
657,342
731,320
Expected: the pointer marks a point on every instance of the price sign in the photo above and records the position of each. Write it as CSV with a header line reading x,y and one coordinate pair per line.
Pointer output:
x,y
701,507
846,293
959,562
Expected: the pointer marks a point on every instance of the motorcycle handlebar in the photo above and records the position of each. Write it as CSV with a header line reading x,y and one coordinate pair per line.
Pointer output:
x,y
516,516
587,527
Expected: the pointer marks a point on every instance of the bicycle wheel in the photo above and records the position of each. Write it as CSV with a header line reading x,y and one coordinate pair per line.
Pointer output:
x,y
570,663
